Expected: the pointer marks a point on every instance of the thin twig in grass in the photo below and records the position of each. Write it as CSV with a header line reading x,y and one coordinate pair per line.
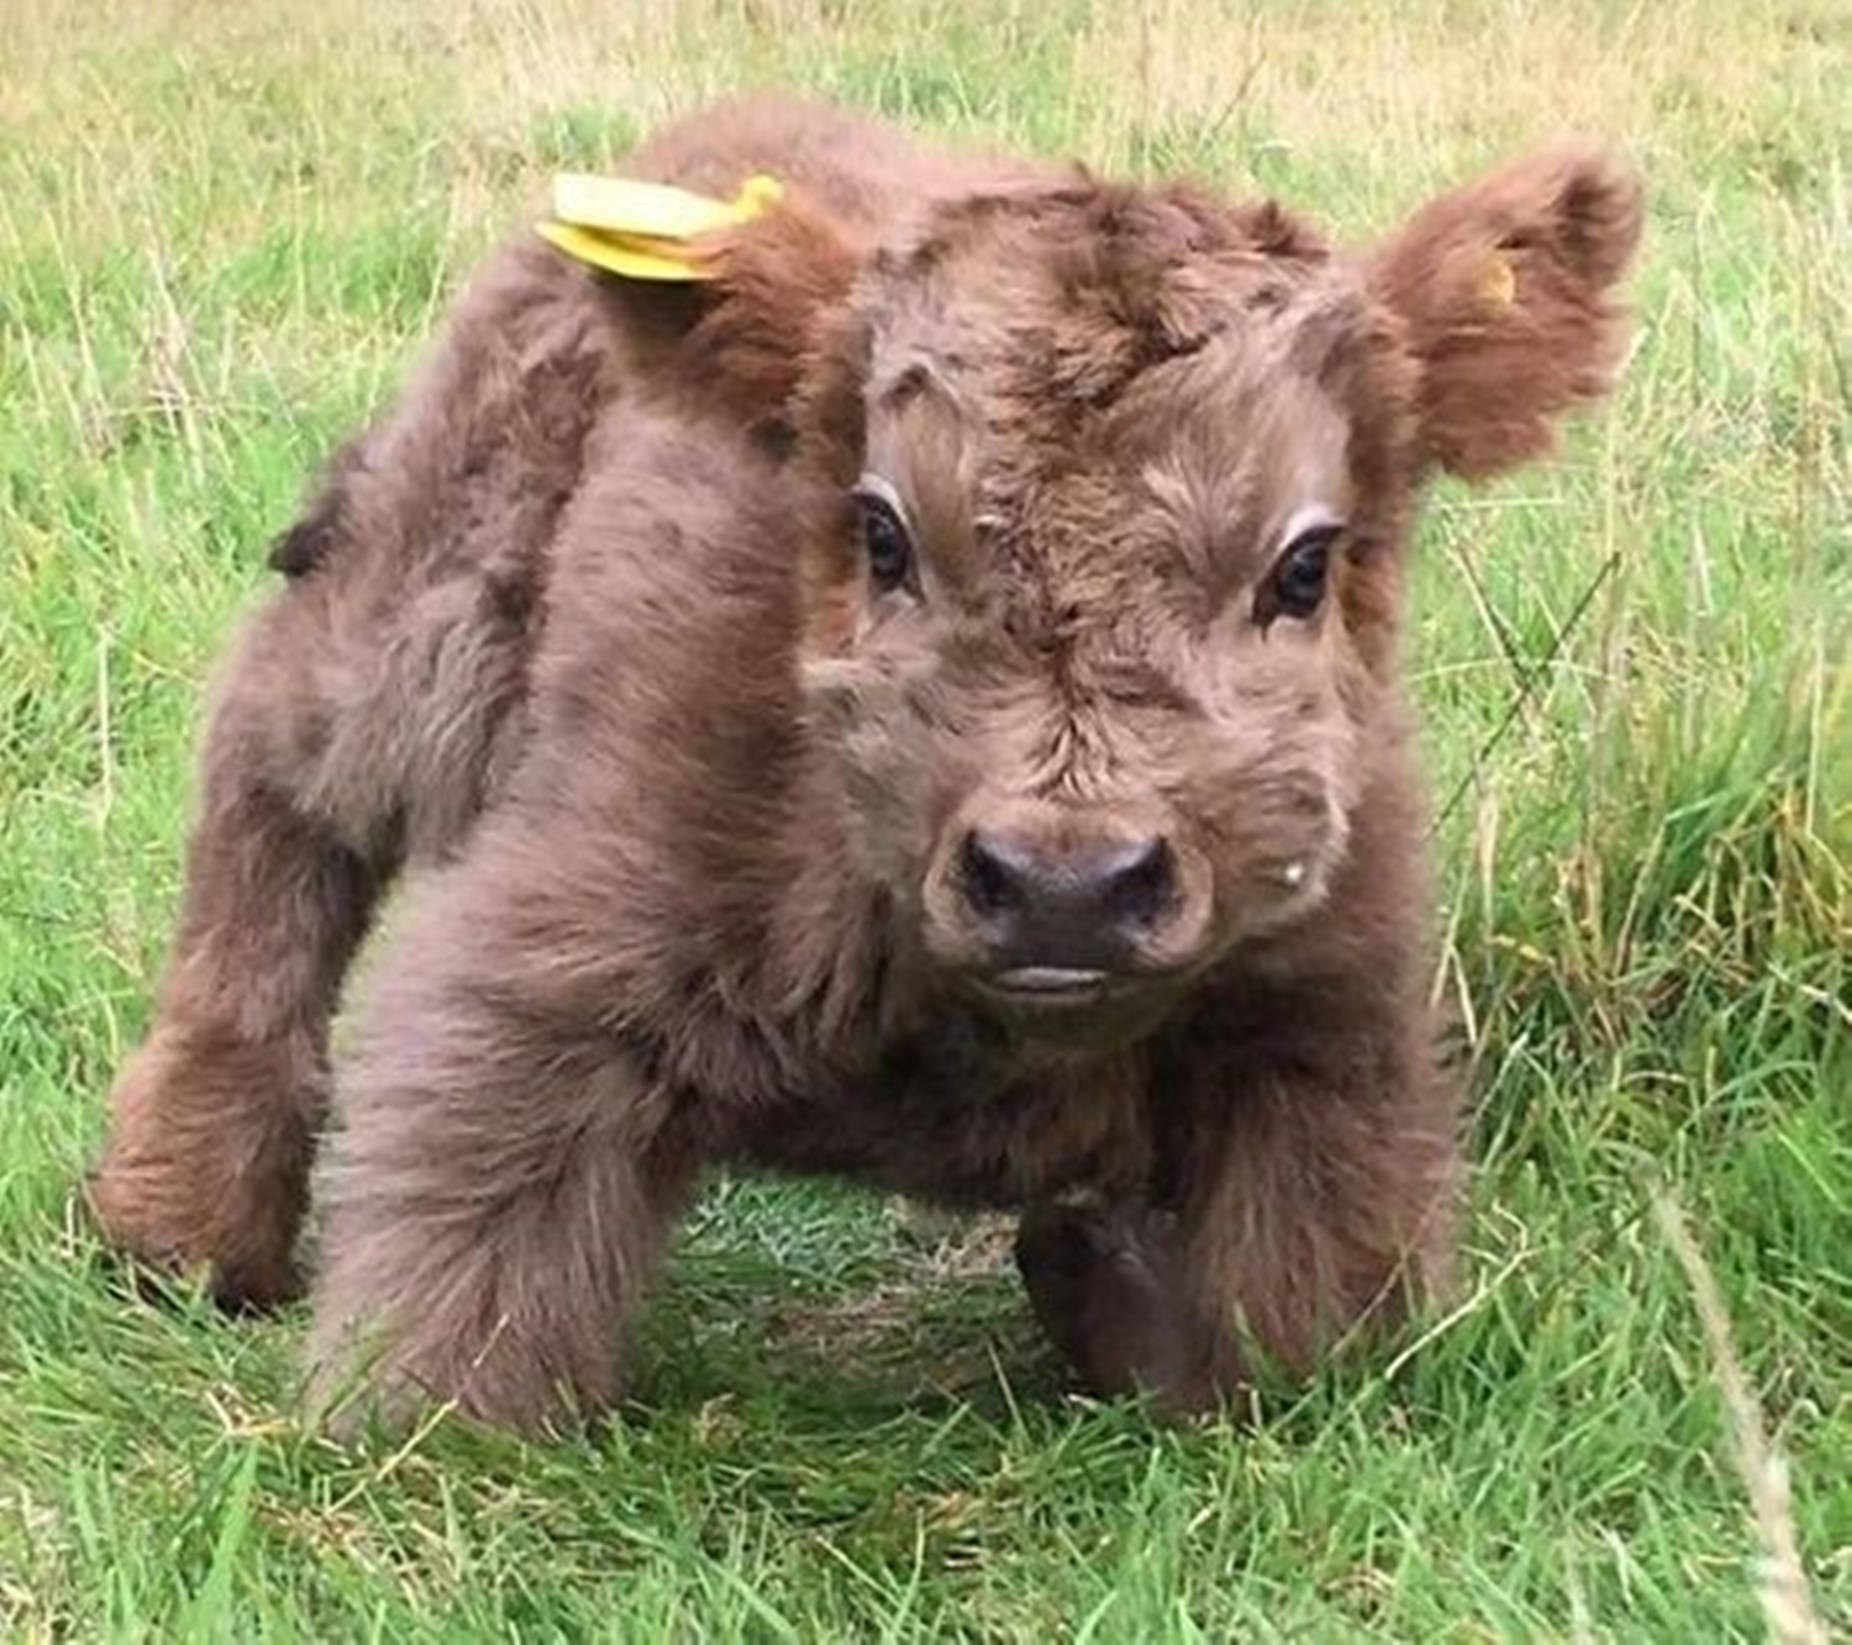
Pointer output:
x,y
1787,1602
1489,615
427,1425
1521,700
1482,1293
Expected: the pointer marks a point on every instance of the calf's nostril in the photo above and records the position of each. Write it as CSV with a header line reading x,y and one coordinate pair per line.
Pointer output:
x,y
1136,883
991,874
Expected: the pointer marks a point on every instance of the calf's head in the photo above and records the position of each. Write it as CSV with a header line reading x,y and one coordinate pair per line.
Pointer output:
x,y
1114,489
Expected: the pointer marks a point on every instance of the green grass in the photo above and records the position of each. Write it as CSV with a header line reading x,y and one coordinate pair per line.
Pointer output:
x,y
224,229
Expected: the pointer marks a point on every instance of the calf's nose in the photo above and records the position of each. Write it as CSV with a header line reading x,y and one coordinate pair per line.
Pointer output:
x,y
1075,905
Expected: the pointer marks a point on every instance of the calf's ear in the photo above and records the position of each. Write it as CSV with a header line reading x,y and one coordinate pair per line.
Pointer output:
x,y
1506,288
775,286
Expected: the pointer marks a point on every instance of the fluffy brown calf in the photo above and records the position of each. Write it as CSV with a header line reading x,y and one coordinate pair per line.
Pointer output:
x,y
922,706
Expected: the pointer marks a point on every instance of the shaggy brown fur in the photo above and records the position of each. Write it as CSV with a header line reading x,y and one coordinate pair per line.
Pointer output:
x,y
922,706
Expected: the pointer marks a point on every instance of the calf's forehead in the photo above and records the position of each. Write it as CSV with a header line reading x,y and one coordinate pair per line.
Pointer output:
x,y
1212,447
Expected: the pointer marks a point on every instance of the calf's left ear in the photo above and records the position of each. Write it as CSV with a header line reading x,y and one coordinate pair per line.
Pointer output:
x,y
1506,288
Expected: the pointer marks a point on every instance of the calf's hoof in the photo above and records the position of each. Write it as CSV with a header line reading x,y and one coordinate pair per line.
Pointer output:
x,y
206,1165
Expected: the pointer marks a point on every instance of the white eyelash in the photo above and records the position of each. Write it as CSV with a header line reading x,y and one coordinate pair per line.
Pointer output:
x,y
1309,517
878,485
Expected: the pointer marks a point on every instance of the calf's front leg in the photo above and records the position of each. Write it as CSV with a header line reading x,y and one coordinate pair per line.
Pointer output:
x,y
498,1180
1105,1282
1312,1198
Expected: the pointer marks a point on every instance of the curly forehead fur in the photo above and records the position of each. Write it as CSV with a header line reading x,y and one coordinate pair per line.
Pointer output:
x,y
1089,284
1089,387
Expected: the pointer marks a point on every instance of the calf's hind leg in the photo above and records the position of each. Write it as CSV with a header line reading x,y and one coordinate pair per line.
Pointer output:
x,y
212,1118
372,707
342,734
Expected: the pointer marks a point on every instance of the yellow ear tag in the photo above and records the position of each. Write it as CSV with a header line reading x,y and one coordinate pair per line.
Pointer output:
x,y
645,231
1497,286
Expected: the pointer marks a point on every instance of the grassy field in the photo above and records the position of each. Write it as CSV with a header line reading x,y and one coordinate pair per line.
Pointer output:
x,y
223,229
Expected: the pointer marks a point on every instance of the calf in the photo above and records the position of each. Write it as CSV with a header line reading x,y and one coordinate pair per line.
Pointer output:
x,y
921,705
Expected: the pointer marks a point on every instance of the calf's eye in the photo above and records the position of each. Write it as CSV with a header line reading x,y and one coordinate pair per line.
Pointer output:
x,y
1295,587
885,539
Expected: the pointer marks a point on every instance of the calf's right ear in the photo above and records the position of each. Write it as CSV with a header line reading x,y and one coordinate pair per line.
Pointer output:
x,y
776,283
1506,288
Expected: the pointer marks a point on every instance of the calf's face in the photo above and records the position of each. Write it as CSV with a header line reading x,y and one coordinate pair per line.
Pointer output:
x,y
1099,618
